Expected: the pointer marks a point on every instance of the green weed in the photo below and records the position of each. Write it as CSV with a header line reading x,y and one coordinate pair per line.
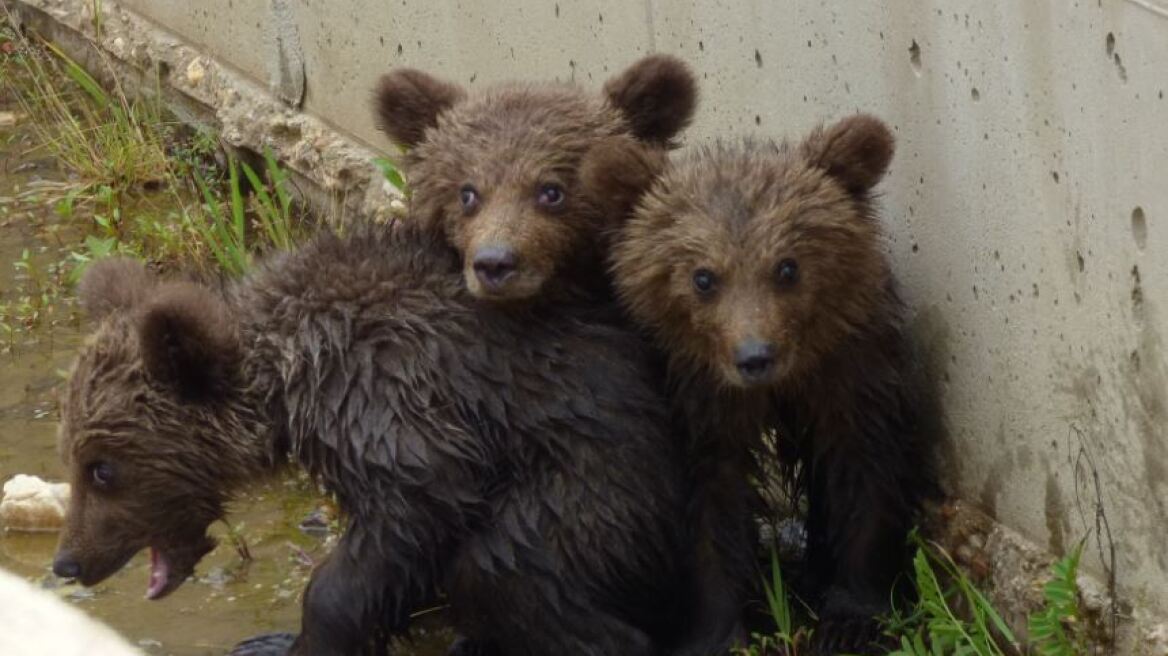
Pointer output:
x,y
935,626
225,230
789,638
1057,630
104,138
393,174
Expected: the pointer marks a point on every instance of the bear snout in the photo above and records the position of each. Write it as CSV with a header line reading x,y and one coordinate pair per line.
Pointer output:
x,y
494,266
66,566
755,360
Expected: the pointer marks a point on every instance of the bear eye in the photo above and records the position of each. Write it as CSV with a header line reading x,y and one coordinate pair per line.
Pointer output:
x,y
787,272
102,474
469,197
550,195
704,281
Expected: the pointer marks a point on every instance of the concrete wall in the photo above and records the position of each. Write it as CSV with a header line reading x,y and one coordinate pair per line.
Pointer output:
x,y
1028,202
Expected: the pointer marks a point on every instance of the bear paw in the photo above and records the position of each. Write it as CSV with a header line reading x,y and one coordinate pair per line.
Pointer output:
x,y
463,646
267,644
848,626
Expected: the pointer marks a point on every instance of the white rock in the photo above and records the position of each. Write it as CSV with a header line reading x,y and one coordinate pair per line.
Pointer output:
x,y
32,504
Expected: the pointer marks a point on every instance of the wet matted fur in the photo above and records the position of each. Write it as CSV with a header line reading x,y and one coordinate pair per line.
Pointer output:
x,y
520,460
761,269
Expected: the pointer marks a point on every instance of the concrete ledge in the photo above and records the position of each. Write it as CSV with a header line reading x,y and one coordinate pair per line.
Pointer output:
x,y
333,174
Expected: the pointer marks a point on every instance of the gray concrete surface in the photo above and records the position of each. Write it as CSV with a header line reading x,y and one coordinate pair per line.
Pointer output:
x,y
1028,202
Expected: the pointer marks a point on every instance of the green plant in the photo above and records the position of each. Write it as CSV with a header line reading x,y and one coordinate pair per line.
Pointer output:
x,y
273,209
392,174
103,137
1056,630
788,638
225,232
934,626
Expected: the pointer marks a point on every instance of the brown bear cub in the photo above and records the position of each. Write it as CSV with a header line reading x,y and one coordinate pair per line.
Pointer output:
x,y
497,171
760,268
521,461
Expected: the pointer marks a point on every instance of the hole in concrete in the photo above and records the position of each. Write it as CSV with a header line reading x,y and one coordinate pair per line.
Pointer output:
x,y
758,58
975,94
1139,226
1110,44
914,57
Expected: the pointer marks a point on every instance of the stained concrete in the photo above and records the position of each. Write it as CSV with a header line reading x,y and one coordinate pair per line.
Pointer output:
x,y
1027,204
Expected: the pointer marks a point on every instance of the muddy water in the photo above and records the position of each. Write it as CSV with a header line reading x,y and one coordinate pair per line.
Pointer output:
x,y
229,598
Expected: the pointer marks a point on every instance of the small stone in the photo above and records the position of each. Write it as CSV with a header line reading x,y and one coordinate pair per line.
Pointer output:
x,y
195,72
32,504
315,522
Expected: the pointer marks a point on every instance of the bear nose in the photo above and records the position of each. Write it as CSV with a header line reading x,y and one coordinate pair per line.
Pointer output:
x,y
66,567
754,359
494,265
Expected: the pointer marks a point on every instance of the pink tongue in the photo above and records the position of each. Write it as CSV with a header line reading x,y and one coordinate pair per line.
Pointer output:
x,y
159,574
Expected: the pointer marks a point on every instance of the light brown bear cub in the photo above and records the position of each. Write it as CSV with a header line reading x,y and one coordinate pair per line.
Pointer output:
x,y
497,170
761,270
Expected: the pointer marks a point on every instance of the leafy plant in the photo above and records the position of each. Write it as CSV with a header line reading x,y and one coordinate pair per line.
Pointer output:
x,y
392,174
934,626
1056,629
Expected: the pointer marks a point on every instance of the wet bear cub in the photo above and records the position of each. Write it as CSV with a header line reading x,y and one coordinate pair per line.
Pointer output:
x,y
497,171
519,461
760,269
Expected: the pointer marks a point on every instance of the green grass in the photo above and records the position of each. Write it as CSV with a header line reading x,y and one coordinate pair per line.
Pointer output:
x,y
951,616
227,231
102,137
789,638
136,183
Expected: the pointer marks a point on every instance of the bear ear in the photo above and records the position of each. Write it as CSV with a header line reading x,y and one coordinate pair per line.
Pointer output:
x,y
617,171
408,101
856,151
114,284
657,95
188,340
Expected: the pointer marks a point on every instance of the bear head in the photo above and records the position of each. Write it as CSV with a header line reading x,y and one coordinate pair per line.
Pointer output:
x,y
755,261
153,426
497,171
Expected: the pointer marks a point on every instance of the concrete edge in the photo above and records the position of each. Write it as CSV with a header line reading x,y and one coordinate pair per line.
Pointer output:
x,y
333,173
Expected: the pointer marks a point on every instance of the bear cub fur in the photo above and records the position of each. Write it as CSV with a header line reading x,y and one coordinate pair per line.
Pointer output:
x,y
498,171
520,461
761,271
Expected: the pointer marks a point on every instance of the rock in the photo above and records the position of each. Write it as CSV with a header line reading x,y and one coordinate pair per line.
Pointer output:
x,y
32,504
195,72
